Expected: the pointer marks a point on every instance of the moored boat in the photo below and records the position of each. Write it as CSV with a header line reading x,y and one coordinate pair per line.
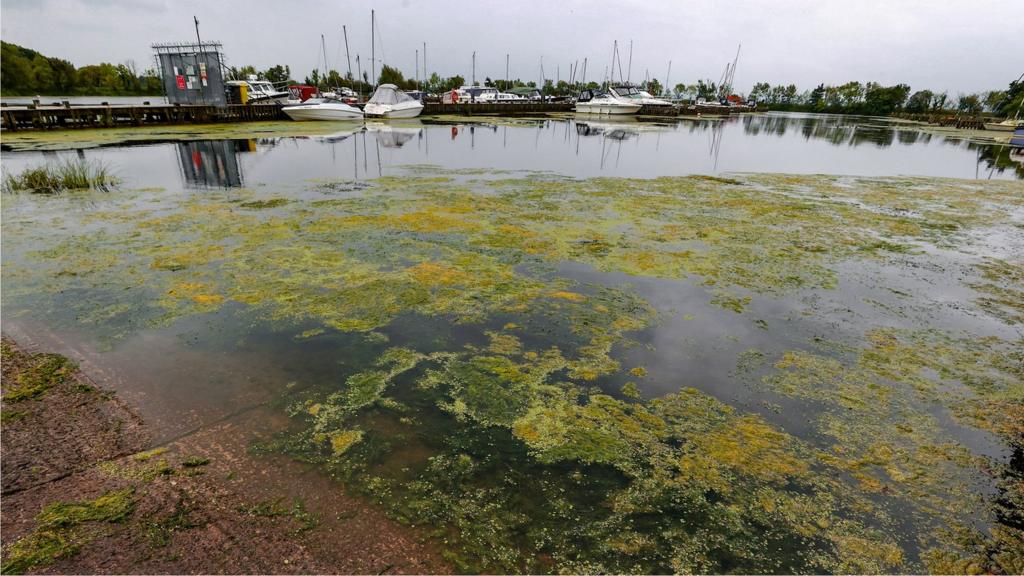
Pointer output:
x,y
261,91
322,109
1007,125
390,102
593,102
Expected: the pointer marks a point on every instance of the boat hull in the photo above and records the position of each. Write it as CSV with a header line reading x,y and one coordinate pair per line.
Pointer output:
x,y
1000,127
607,109
318,113
282,99
378,111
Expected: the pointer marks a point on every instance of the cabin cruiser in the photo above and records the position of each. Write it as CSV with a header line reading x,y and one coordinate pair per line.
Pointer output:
x,y
594,102
647,99
642,96
261,91
322,108
390,102
1007,125
481,93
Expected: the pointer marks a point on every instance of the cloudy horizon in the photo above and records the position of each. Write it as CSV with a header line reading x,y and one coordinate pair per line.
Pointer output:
x,y
958,48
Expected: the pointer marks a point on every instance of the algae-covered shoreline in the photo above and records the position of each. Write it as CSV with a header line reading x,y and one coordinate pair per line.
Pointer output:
x,y
85,491
749,372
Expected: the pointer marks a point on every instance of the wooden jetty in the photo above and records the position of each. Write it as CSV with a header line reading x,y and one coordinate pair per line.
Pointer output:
x,y
66,116
949,120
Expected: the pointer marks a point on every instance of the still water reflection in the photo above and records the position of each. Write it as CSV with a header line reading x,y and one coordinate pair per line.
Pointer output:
x,y
779,143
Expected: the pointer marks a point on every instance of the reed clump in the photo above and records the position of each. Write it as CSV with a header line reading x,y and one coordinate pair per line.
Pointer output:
x,y
57,177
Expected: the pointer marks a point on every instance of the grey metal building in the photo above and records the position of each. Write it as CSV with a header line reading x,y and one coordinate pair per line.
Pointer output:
x,y
192,72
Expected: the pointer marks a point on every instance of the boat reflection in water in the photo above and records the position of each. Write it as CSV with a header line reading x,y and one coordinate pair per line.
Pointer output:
x,y
394,136
213,163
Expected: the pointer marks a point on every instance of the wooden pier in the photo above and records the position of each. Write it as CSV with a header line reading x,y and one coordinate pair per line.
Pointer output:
x,y
66,116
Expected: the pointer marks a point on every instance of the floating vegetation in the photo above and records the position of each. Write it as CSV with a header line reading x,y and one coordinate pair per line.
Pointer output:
x,y
57,177
535,427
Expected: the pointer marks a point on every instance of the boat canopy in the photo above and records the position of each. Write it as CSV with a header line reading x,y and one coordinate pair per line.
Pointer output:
x,y
389,94
626,91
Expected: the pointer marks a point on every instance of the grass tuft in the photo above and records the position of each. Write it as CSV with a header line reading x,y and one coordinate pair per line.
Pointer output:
x,y
54,178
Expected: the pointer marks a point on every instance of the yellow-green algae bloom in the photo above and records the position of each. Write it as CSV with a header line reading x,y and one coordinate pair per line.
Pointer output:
x,y
524,447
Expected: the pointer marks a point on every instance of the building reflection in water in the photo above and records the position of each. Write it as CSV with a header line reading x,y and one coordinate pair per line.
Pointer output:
x,y
213,163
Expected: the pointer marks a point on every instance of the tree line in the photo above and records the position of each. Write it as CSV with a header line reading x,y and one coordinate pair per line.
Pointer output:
x,y
25,72
872,98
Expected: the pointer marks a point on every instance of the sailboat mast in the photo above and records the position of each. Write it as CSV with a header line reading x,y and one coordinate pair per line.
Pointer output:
x,y
667,74
615,51
347,55
584,79
629,70
323,46
359,68
732,72
373,48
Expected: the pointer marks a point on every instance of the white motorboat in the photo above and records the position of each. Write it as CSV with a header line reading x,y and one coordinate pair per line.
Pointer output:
x,y
390,102
593,102
647,99
322,109
508,97
481,93
1004,126
261,91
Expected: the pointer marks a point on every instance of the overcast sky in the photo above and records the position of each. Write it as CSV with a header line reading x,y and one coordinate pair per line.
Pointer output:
x,y
959,46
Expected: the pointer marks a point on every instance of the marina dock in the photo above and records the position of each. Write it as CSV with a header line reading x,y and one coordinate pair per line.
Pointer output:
x,y
64,115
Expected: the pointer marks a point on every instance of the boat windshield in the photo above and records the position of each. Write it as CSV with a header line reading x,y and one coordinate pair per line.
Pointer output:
x,y
389,94
626,92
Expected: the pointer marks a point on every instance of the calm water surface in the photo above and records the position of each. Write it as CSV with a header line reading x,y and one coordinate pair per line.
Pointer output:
x,y
772,142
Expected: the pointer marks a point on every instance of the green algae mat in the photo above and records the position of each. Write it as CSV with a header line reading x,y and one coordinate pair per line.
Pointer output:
x,y
750,373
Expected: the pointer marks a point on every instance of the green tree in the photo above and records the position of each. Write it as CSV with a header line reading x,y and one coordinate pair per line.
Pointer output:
x,y
920,102
850,94
1013,101
969,104
760,91
993,99
278,74
706,90
817,96
390,75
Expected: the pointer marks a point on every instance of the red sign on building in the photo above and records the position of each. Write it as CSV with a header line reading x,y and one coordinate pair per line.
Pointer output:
x,y
181,81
